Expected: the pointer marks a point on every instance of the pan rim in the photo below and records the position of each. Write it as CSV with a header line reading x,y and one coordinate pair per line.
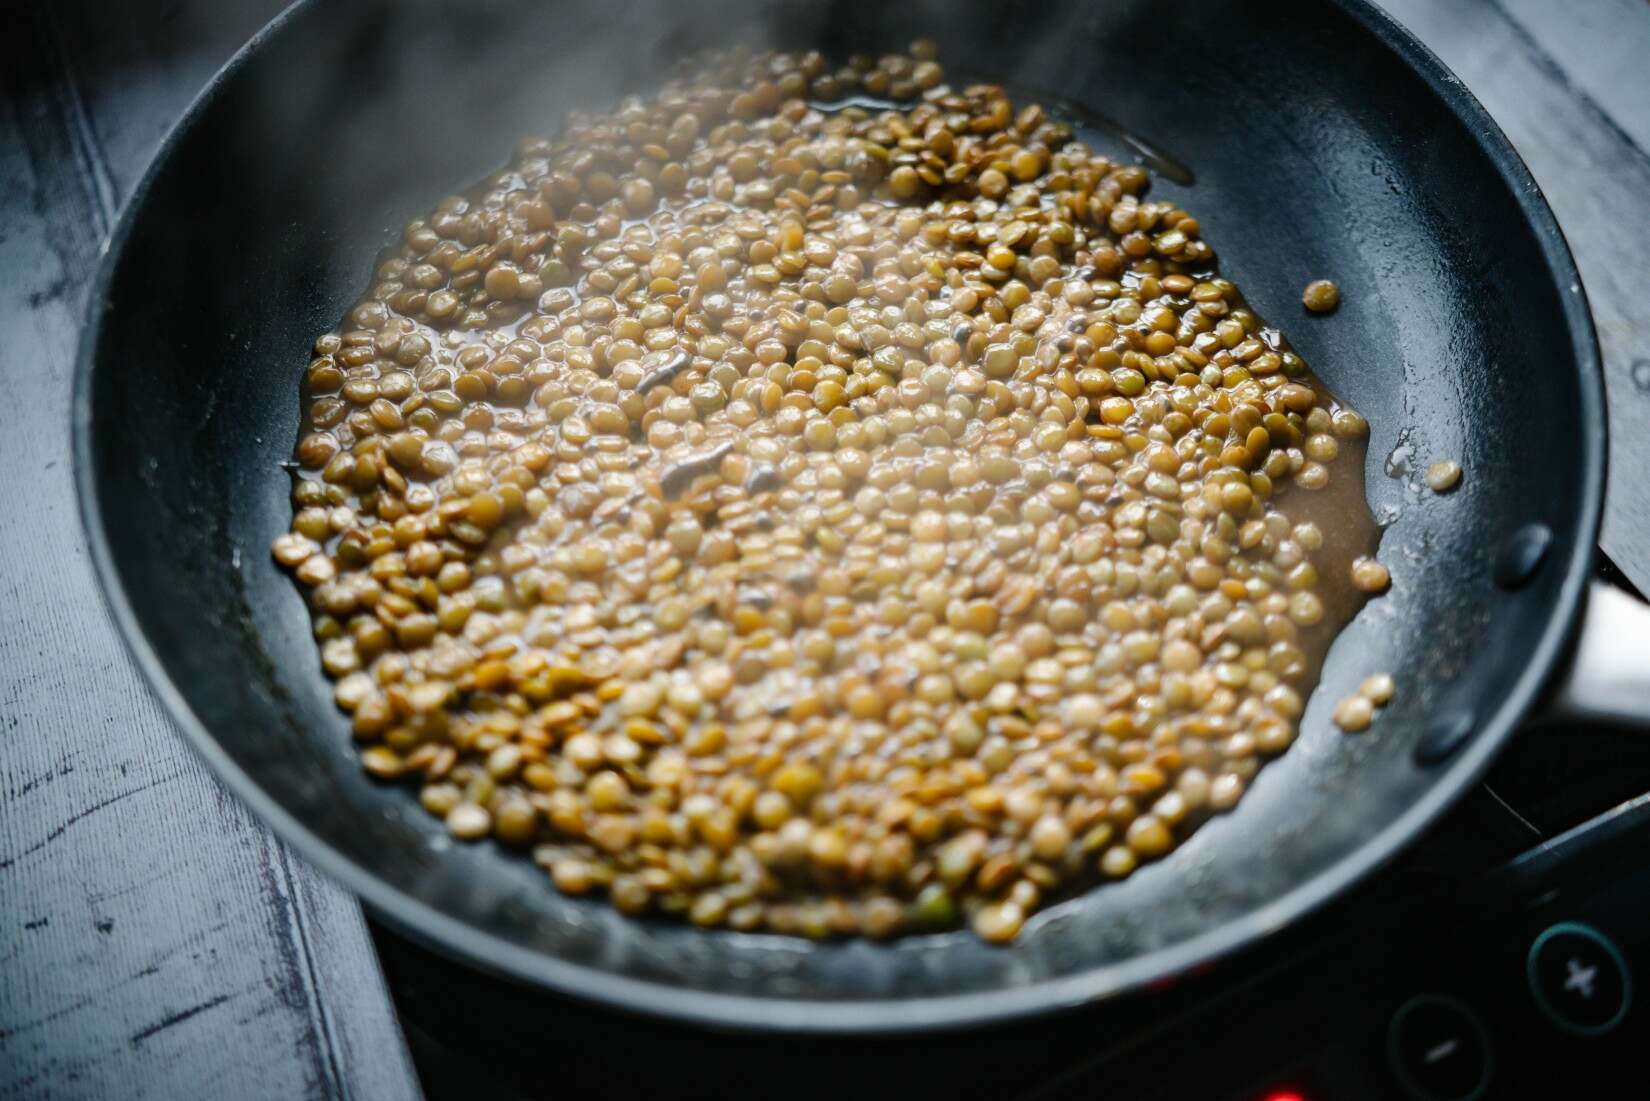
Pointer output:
x,y
493,954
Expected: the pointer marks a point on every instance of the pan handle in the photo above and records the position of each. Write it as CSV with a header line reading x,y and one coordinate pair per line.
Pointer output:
x,y
1609,675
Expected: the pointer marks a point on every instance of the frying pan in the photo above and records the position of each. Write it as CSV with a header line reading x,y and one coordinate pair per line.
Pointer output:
x,y
1325,142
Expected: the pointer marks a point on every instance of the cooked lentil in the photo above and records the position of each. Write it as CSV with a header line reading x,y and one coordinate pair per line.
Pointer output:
x,y
820,519
1370,576
1321,296
1443,476
1378,689
1354,713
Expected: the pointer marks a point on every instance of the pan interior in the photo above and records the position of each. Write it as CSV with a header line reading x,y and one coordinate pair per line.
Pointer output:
x,y
1318,152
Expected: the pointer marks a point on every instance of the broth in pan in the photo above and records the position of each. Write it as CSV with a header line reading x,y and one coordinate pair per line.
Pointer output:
x,y
820,518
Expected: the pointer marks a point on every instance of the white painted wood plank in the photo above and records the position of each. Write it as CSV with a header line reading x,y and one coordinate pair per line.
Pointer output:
x,y
155,941
1603,49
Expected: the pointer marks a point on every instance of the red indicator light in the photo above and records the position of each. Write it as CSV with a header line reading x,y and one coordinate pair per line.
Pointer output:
x,y
1283,1095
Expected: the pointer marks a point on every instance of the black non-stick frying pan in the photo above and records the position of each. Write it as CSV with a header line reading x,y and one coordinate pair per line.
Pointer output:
x,y
1325,141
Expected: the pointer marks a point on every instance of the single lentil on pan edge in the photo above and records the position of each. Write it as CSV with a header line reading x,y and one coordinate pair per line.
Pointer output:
x,y
1355,713
825,522
1443,476
1370,576
1321,296
1378,689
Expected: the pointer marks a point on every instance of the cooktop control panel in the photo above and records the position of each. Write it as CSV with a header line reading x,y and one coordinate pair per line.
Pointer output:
x,y
1532,1016
1506,954
1530,984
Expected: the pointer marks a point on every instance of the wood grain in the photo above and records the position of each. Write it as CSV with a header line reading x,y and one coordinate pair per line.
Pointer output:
x,y
157,941
1601,48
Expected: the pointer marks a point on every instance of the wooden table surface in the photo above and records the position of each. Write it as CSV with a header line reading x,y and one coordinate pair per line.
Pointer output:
x,y
155,940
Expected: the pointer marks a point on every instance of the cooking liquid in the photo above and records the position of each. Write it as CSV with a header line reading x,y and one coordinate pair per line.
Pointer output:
x,y
1339,510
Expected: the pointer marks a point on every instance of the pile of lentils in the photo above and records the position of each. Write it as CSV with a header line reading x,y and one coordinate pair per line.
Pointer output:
x,y
807,516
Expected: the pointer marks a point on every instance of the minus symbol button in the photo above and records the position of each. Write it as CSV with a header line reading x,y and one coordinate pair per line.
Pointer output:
x,y
1438,1052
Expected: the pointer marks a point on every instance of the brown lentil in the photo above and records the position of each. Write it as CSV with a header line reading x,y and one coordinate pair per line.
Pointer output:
x,y
1378,689
1321,296
1370,576
1443,476
1354,713
820,520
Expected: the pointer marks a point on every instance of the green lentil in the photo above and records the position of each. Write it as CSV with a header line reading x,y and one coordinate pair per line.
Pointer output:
x,y
816,521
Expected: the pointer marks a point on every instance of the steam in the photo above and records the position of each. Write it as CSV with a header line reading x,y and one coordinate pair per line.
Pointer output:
x,y
428,96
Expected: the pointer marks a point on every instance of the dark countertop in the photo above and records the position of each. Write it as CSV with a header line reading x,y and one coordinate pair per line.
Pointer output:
x,y
153,950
